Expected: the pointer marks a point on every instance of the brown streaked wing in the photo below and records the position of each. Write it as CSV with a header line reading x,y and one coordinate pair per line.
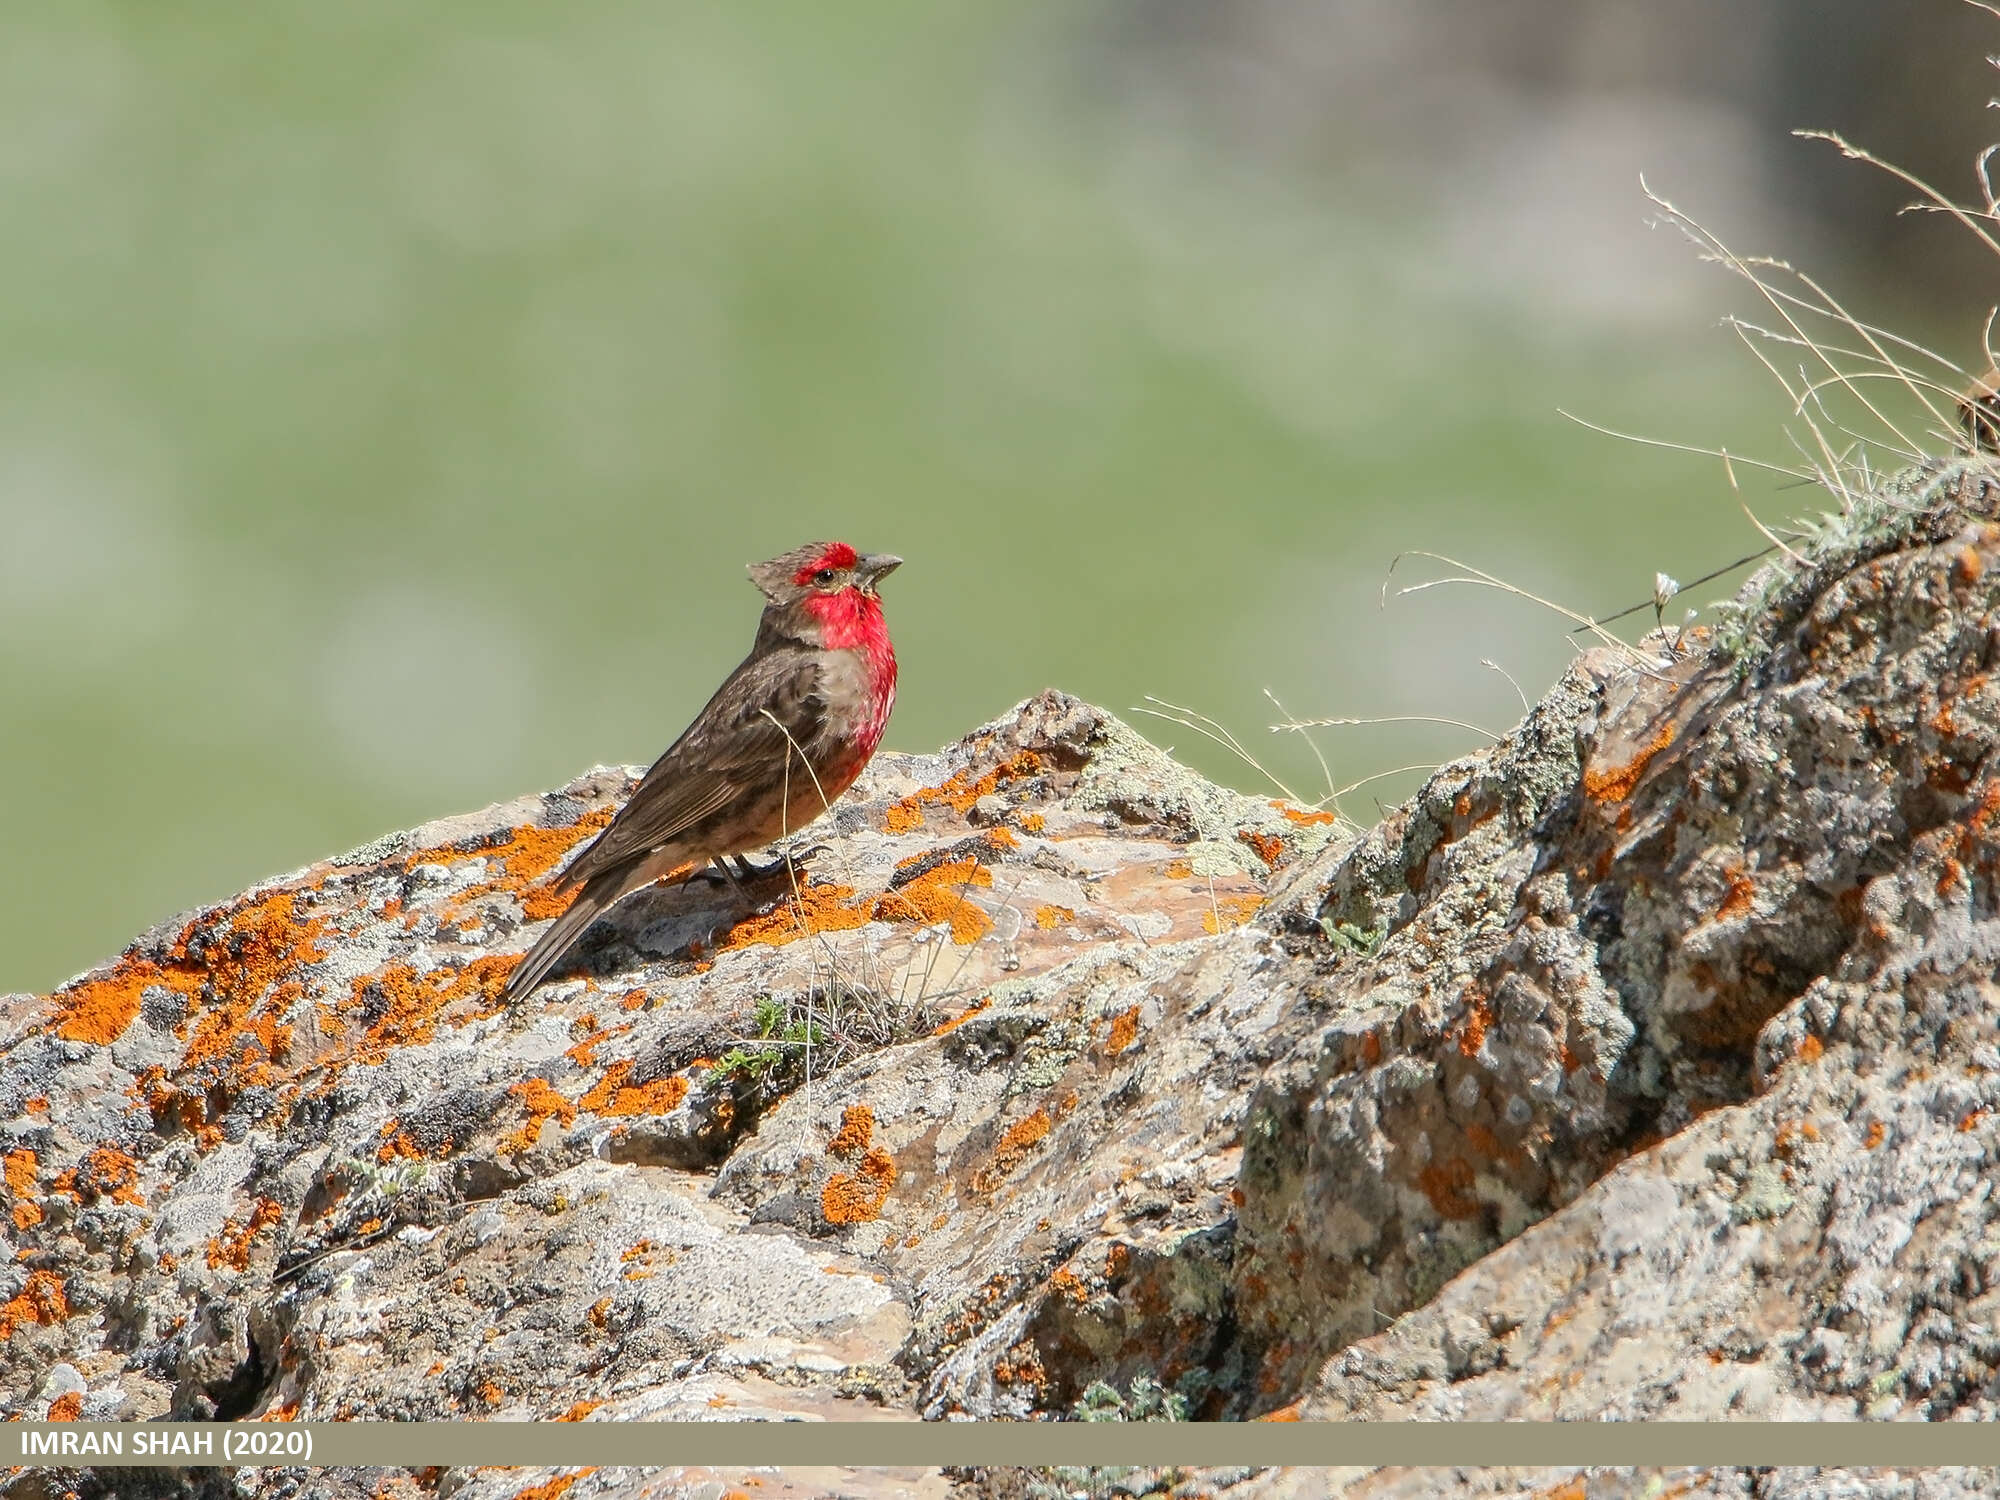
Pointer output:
x,y
731,747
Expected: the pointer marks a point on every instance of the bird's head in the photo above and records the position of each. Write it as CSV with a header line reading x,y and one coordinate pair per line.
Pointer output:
x,y
821,570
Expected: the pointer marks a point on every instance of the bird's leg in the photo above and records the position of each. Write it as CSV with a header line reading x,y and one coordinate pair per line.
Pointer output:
x,y
792,859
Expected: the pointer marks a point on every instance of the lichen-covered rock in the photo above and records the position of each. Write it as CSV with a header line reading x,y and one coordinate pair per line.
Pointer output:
x,y
1643,1065
289,1157
1783,871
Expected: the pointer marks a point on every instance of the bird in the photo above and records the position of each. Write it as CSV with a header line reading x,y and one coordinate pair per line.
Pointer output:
x,y
787,732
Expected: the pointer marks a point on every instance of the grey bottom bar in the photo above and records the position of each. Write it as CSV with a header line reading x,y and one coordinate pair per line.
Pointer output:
x,y
917,1444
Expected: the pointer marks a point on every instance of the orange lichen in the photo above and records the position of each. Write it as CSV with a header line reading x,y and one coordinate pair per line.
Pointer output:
x,y
1971,1121
1486,1143
399,1147
1016,1143
1305,817
1738,897
1449,1187
1811,1050
1032,823
636,1000
406,1006
109,1172
1983,816
20,1177
1048,918
1124,1031
1787,1142
175,1108
579,1411
553,1489
1179,869
1266,846
1282,1414
528,852
1875,1134
235,973
1448,1184
1026,1132
813,909
1478,1015
858,1199
37,1104
40,1301
541,1103
1967,567
857,1128
231,1248
584,1053
1066,1283
1021,1365
937,897
611,1096
99,1010
1615,784
252,986
959,791
65,1408
1229,911
636,1249
965,1015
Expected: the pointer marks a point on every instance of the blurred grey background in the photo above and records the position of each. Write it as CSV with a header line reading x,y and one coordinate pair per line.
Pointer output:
x,y
390,396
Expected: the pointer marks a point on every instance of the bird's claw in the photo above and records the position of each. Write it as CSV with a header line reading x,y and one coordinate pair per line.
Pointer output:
x,y
787,860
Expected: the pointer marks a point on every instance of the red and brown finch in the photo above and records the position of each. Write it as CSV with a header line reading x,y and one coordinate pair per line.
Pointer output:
x,y
786,734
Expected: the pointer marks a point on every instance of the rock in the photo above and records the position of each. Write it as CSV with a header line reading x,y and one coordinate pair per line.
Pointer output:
x,y
1641,1066
289,1157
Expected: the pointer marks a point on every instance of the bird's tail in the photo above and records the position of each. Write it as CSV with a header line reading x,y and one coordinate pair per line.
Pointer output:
x,y
598,895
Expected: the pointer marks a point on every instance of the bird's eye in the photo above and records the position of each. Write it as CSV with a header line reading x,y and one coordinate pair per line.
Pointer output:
x,y
823,576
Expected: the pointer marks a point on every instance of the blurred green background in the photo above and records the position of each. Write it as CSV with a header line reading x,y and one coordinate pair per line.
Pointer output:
x,y
390,396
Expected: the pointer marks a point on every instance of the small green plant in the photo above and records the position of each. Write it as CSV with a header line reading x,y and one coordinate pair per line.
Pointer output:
x,y
791,1035
1359,940
1145,1400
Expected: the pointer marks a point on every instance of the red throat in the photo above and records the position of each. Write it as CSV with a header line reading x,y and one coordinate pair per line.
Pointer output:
x,y
852,621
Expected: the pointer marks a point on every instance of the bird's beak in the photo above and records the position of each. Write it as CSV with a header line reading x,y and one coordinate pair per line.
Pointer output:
x,y
873,567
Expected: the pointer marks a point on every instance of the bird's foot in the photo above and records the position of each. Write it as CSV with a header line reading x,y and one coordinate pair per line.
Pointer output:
x,y
789,861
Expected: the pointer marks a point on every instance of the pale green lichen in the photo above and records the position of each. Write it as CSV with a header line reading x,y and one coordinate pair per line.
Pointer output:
x,y
1132,778
1868,521
1762,1196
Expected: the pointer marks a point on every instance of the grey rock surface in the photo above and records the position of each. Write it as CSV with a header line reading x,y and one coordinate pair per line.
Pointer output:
x,y
1643,1065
